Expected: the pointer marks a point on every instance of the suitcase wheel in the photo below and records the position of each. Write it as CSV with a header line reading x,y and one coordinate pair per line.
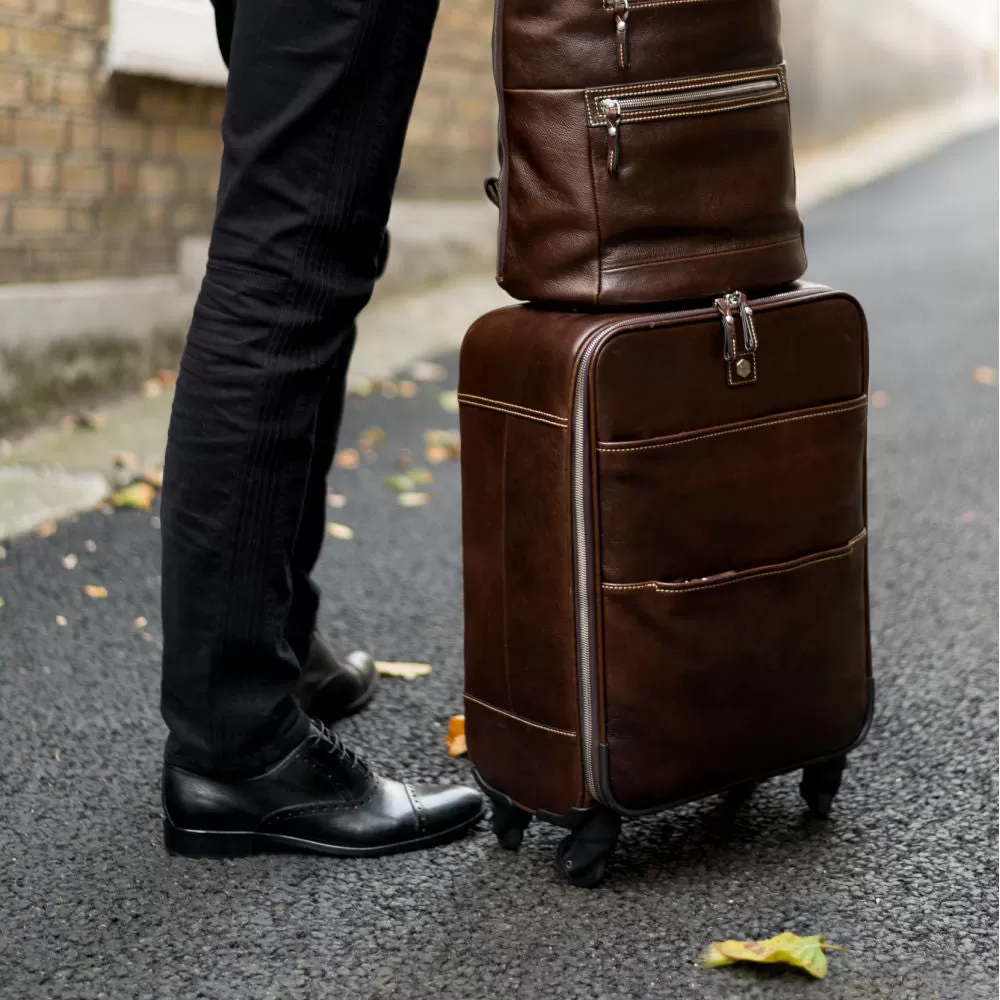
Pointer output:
x,y
509,823
820,784
583,855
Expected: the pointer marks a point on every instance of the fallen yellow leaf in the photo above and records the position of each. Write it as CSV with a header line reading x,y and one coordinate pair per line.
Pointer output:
x,y
805,953
93,590
456,736
411,499
408,389
61,621
449,401
984,375
70,562
370,437
47,529
389,390
347,458
336,499
428,371
358,385
405,670
138,496
341,531
154,476
140,622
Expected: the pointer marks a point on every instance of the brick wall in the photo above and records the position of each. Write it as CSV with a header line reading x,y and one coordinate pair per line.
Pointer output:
x,y
96,180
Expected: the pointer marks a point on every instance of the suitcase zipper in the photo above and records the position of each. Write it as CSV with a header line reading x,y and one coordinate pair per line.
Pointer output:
x,y
617,110
583,550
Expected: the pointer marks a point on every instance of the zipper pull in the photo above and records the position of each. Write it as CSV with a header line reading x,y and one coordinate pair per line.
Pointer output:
x,y
621,32
741,366
749,330
613,113
725,306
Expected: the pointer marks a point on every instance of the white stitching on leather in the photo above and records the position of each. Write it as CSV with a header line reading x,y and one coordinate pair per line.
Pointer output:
x,y
518,718
513,410
613,449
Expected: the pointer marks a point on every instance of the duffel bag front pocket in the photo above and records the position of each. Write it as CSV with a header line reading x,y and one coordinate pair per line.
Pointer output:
x,y
716,681
694,186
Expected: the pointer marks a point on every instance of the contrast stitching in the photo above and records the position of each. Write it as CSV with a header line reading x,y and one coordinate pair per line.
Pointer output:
x,y
678,86
513,410
656,3
521,719
680,589
844,408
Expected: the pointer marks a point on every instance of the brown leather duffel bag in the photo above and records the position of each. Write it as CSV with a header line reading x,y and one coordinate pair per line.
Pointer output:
x,y
645,150
664,532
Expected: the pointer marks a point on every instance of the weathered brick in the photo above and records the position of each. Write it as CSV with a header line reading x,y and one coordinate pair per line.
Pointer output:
x,y
123,136
11,174
46,43
13,88
43,85
157,180
78,177
85,12
162,101
196,143
123,179
40,131
77,90
162,140
81,220
37,217
43,173
6,38
120,217
84,134
83,51
17,6
6,128
49,10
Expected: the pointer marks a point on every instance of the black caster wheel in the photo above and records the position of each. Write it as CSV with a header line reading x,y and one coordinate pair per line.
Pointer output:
x,y
509,823
583,855
820,784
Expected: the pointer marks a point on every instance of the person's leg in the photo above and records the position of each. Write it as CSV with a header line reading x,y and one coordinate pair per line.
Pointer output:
x,y
319,96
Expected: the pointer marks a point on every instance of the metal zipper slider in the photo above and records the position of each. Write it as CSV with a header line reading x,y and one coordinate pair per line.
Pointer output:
x,y
613,113
741,366
749,330
621,32
725,306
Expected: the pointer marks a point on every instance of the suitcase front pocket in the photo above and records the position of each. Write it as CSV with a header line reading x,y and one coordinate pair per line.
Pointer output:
x,y
712,682
729,498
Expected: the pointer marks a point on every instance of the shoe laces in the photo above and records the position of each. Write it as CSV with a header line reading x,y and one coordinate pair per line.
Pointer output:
x,y
353,761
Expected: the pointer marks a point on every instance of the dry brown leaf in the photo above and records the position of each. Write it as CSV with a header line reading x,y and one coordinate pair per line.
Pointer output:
x,y
413,499
436,454
152,388
347,458
138,496
336,499
880,399
167,377
408,389
428,371
984,375
370,437
358,385
154,476
449,401
95,591
404,460
341,531
61,621
71,561
456,736
389,389
408,671
140,622
47,529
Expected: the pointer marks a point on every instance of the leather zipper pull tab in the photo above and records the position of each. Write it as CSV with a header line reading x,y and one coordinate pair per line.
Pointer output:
x,y
621,32
725,307
749,329
613,113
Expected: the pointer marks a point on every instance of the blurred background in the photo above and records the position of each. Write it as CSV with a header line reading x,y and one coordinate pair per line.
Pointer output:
x,y
109,152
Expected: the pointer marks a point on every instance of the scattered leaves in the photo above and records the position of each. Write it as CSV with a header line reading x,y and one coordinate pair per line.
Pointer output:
x,y
407,482
441,446
408,389
90,545
358,385
138,496
140,622
339,531
95,591
413,499
70,561
408,671
370,437
984,375
456,736
880,399
154,476
347,458
337,500
428,371
449,401
805,953
389,389
47,529
61,621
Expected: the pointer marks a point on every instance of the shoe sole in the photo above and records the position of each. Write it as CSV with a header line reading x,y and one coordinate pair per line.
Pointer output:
x,y
239,844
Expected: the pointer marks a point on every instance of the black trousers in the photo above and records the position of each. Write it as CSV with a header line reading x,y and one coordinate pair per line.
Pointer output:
x,y
319,96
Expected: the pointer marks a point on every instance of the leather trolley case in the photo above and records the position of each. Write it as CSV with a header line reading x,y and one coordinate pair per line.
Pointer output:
x,y
645,150
664,531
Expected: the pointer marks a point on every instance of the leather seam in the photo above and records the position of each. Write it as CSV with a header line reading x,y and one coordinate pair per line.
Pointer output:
x,y
613,449
639,4
695,111
513,409
744,248
681,589
520,718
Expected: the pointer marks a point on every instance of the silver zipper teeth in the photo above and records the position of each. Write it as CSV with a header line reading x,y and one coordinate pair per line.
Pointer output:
x,y
582,547
648,101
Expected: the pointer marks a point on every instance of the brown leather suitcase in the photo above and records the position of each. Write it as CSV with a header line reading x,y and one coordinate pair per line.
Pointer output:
x,y
645,150
664,530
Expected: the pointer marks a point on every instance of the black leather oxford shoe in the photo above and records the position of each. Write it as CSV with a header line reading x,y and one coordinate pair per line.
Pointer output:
x,y
328,689
322,798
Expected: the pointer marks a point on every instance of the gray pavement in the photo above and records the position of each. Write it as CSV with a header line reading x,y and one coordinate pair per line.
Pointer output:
x,y
904,875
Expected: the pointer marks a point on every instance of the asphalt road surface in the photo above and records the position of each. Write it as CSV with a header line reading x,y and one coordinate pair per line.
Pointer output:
x,y
904,875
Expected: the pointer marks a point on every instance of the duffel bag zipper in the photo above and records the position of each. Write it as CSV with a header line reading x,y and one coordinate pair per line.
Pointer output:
x,y
620,109
583,542
621,10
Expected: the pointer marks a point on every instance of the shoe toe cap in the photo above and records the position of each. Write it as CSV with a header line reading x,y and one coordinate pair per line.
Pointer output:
x,y
446,807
